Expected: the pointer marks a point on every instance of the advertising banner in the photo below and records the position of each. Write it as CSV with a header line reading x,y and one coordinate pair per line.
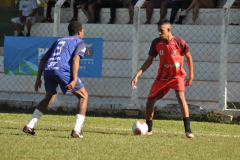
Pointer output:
x,y
23,54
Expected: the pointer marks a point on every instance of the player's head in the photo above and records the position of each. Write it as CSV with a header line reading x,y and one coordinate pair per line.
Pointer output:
x,y
164,28
76,29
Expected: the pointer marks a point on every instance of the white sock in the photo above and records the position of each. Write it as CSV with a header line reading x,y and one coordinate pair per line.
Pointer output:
x,y
35,117
78,122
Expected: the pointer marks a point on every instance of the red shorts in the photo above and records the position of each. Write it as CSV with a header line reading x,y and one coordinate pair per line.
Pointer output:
x,y
161,87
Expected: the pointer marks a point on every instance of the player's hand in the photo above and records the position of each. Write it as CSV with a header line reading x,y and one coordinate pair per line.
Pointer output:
x,y
189,81
134,82
71,86
38,84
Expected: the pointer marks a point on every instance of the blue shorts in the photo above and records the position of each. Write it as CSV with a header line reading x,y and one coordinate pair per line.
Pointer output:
x,y
52,81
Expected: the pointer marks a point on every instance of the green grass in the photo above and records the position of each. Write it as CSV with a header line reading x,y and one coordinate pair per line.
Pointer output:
x,y
112,138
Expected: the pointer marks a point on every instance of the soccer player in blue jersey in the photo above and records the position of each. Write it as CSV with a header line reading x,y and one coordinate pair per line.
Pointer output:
x,y
60,65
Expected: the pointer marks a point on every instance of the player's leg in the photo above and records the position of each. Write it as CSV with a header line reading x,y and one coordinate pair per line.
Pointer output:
x,y
82,95
15,22
51,89
150,113
185,113
179,86
158,90
37,114
43,105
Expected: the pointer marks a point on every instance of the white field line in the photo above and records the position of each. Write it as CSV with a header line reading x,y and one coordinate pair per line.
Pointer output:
x,y
124,129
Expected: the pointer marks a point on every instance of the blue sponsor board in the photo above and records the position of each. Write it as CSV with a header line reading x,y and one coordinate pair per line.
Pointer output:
x,y
23,54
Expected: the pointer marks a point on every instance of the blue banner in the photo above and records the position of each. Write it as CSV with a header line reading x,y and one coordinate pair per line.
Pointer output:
x,y
23,54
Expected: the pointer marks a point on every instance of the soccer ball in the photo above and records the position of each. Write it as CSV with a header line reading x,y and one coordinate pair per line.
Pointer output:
x,y
140,128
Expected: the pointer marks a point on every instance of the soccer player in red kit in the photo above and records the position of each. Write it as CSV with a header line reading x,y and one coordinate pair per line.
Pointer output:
x,y
171,51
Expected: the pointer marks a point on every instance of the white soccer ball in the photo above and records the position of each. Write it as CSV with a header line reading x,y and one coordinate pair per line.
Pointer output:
x,y
140,128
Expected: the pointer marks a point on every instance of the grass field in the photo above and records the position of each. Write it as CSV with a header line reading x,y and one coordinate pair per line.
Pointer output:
x,y
112,138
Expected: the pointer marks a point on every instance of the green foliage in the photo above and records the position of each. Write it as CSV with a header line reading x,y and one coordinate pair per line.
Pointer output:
x,y
30,70
15,71
112,138
6,71
208,118
235,105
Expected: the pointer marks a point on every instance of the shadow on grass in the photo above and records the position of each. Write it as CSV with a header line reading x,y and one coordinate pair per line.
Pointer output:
x,y
90,130
107,132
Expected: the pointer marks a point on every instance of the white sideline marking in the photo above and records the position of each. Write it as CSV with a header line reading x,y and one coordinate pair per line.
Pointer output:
x,y
123,129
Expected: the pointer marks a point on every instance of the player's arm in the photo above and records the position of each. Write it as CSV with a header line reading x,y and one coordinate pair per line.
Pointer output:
x,y
190,67
144,67
75,67
38,82
43,60
79,53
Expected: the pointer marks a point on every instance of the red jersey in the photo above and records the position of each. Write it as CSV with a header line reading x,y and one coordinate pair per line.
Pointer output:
x,y
171,54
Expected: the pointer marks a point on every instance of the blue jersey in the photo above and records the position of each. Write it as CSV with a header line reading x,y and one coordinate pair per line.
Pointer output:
x,y
61,53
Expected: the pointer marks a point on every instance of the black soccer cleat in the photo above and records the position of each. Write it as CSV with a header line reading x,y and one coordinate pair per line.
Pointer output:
x,y
75,134
28,130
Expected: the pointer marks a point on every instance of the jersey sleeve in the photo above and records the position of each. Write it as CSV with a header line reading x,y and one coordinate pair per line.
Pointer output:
x,y
81,48
152,51
184,49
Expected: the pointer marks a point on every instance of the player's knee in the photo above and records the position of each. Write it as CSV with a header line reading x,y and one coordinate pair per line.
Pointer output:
x,y
150,103
13,22
29,21
81,94
180,96
198,4
50,98
85,96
